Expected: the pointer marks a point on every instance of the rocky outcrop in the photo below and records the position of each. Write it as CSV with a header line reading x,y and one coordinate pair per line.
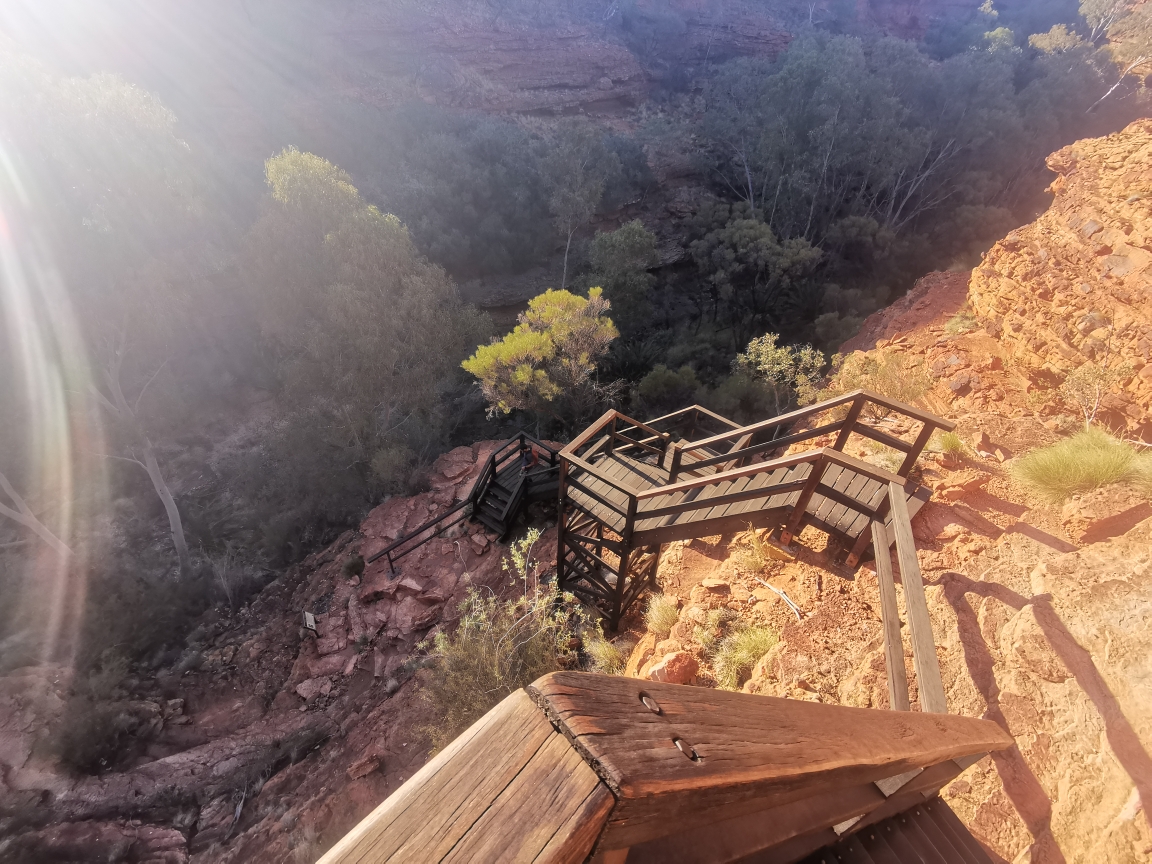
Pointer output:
x,y
578,57
1072,287
1040,611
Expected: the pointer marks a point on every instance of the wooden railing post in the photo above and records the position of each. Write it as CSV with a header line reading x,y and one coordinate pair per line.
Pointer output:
x,y
890,618
793,524
850,422
928,680
560,520
674,468
917,448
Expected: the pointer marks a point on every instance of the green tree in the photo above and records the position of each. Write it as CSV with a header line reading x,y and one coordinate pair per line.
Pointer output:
x,y
577,165
365,334
753,278
791,372
621,261
547,364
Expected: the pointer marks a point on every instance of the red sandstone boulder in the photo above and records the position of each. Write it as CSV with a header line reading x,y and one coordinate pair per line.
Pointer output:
x,y
679,667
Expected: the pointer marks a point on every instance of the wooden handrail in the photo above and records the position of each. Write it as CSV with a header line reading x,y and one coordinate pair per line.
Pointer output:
x,y
585,436
825,454
577,762
734,474
812,410
781,420
698,408
932,698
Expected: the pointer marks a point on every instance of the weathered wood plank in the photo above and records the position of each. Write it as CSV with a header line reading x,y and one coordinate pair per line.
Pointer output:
x,y
733,838
552,811
748,747
927,665
438,807
890,619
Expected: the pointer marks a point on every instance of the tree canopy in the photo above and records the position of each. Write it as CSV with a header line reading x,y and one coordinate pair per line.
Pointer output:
x,y
547,364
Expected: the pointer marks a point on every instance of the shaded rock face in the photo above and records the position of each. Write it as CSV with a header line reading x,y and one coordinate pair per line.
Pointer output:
x,y
578,57
281,739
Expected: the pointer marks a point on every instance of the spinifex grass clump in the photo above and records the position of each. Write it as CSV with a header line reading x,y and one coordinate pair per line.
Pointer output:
x,y
607,657
498,647
738,653
1085,461
661,615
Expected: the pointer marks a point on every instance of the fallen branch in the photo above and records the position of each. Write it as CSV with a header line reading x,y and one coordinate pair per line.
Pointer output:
x,y
782,596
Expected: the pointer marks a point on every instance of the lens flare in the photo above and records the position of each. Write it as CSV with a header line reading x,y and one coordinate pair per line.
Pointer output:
x,y
53,480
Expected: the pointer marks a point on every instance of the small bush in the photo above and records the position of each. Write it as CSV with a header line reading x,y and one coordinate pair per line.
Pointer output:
x,y
709,634
898,376
661,615
92,734
738,653
498,647
607,658
951,444
1085,461
962,322
1142,474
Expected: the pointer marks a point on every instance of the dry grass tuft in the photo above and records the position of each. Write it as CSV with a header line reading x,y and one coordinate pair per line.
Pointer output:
x,y
738,653
607,657
1085,461
661,615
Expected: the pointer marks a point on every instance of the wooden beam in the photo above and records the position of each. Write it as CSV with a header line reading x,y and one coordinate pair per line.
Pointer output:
x,y
736,837
510,788
768,518
917,448
586,436
890,618
928,680
735,748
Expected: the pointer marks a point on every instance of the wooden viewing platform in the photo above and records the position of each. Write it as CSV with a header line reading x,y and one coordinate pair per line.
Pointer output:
x,y
626,487
610,770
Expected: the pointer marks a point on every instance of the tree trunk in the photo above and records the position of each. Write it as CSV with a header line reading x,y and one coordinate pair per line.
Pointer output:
x,y
24,516
567,246
127,415
174,522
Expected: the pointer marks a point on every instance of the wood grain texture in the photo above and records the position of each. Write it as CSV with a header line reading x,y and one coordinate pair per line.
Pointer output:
x,y
751,748
890,620
732,839
510,788
927,665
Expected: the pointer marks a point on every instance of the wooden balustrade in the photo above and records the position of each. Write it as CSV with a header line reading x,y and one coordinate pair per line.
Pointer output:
x,y
581,764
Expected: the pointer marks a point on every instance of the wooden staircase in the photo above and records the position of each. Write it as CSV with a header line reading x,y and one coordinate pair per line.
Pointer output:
x,y
928,833
500,492
627,487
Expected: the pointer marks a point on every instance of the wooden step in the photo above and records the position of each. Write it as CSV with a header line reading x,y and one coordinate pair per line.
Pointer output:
x,y
927,833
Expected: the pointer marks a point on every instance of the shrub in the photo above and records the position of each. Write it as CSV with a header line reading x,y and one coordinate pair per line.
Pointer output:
x,y
1085,461
92,734
898,376
498,647
962,322
607,658
663,391
738,653
661,615
951,444
1142,473
708,635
